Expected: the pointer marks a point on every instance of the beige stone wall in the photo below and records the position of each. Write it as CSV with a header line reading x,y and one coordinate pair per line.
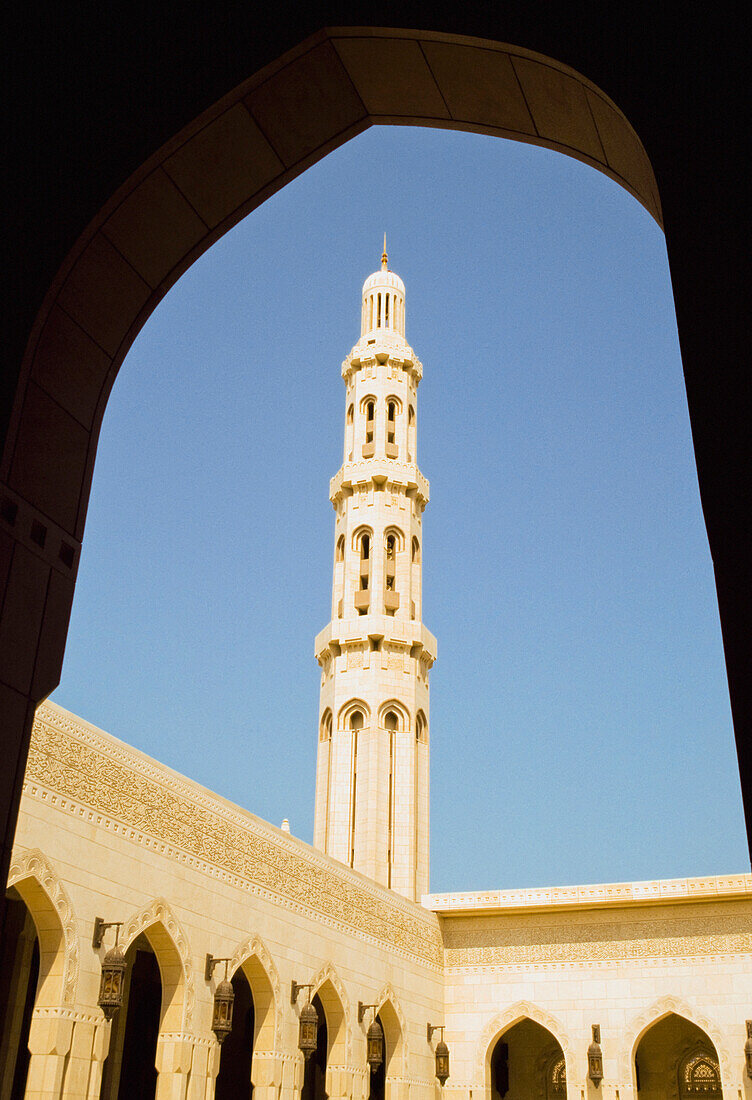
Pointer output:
x,y
682,947
118,836
106,831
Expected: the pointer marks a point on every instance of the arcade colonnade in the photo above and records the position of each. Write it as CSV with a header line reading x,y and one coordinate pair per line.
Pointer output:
x,y
517,979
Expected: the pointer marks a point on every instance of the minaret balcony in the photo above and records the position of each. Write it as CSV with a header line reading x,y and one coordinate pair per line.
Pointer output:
x,y
356,628
405,475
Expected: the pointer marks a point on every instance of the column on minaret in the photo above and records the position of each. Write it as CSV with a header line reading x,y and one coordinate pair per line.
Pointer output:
x,y
372,781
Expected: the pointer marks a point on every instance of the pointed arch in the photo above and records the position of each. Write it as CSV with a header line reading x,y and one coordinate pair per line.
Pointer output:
x,y
348,709
168,942
400,711
395,1032
44,895
657,1011
253,958
495,1028
399,537
328,985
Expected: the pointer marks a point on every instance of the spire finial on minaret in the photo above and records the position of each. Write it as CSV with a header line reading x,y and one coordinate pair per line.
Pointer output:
x,y
384,256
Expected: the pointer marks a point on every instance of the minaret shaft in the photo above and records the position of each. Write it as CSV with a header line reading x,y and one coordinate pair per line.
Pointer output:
x,y
372,783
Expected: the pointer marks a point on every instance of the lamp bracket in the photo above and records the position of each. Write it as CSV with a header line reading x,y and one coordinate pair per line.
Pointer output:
x,y
100,927
209,965
295,988
430,1028
362,1009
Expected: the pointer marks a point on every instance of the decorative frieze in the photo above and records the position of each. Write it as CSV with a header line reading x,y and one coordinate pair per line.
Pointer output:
x,y
87,766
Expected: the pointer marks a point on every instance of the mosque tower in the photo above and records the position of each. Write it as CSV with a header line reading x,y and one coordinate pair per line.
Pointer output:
x,y
375,654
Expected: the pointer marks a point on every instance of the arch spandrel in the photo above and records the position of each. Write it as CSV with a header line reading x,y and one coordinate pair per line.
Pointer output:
x,y
168,942
501,1023
659,1010
44,895
253,958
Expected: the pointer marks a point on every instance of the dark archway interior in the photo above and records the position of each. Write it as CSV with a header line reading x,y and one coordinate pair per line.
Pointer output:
x,y
19,974
130,1068
524,1063
234,1077
378,1075
675,1057
314,1079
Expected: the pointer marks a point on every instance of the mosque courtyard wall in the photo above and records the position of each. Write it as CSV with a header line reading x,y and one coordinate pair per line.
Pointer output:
x,y
106,831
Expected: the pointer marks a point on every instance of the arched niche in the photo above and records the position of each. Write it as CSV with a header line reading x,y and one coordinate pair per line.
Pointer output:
x,y
256,963
549,1041
42,891
675,1059
166,939
658,1011
394,1028
331,993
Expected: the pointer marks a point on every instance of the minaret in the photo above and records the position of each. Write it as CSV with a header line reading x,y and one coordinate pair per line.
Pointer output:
x,y
375,654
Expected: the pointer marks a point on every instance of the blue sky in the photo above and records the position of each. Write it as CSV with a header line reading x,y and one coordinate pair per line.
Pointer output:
x,y
580,722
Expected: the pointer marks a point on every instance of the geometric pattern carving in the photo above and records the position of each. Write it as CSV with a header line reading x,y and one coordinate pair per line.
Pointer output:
x,y
32,864
79,765
159,912
700,1075
557,1078
510,944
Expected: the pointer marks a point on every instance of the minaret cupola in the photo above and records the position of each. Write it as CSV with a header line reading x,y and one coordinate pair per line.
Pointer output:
x,y
383,311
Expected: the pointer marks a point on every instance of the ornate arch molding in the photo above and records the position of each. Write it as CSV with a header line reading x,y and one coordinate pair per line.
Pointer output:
x,y
495,1028
254,948
661,1008
400,710
33,867
327,973
387,995
347,709
158,914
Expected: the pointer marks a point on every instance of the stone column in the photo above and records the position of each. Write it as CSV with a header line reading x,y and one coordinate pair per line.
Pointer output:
x,y
174,1060
88,1050
50,1037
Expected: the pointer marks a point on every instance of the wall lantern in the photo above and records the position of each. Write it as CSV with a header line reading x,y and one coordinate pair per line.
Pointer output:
x,y
374,1037
308,1028
113,968
748,1048
595,1057
442,1053
224,997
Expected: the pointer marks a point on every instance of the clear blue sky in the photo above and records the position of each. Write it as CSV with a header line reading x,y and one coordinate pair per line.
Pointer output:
x,y
580,722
